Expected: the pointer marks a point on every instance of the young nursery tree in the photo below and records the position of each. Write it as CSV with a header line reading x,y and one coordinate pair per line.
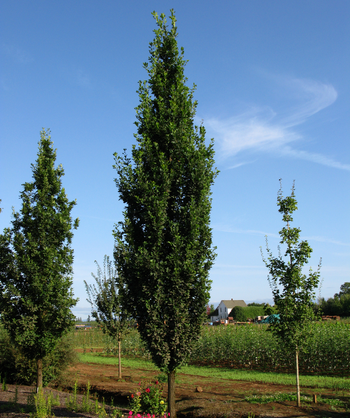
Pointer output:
x,y
293,291
164,245
36,262
106,303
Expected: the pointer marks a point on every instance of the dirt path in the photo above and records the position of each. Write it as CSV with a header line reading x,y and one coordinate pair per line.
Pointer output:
x,y
195,396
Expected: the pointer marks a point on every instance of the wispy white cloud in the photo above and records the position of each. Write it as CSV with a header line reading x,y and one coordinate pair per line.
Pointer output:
x,y
313,96
227,228
316,158
261,129
342,255
254,129
330,241
230,229
238,165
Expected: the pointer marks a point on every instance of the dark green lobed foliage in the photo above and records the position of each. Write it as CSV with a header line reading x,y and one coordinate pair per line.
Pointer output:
x,y
20,370
36,259
164,244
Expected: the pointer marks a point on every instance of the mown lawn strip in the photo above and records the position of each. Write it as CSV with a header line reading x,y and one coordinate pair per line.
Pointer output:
x,y
337,383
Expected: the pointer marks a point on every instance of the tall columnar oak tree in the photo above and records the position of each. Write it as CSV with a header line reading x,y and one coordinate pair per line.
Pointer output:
x,y
36,262
164,245
106,302
293,292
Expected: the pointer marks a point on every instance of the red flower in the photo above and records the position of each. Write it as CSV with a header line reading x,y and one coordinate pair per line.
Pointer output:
x,y
157,382
148,390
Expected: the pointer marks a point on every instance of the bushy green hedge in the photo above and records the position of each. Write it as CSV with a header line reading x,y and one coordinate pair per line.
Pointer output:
x,y
18,369
241,314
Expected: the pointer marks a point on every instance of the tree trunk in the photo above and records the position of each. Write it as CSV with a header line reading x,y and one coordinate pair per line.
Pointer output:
x,y
119,359
39,379
297,375
171,394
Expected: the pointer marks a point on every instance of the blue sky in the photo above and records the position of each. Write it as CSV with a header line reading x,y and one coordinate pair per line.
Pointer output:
x,y
273,91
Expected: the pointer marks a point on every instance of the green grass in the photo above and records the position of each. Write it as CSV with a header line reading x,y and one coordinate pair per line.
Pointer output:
x,y
126,362
282,397
338,383
277,397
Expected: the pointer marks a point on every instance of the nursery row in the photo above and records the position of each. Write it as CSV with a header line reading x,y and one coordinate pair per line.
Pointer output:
x,y
326,350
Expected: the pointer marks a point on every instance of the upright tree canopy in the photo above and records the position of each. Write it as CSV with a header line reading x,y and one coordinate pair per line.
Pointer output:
x,y
344,290
36,261
293,291
105,298
164,245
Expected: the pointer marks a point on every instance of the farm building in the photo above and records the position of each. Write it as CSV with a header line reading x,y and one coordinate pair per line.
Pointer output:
x,y
224,309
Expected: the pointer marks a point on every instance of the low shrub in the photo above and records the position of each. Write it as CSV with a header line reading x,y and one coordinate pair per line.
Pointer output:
x,y
20,370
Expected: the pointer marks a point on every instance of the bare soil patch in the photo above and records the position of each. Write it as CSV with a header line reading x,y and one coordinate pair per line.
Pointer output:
x,y
195,396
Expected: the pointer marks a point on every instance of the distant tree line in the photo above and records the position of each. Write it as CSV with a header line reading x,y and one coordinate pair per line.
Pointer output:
x,y
339,304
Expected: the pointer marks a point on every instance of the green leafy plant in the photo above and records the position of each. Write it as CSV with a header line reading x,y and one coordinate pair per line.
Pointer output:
x,y
88,405
162,378
15,398
36,262
148,399
4,386
71,402
293,291
43,404
106,302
